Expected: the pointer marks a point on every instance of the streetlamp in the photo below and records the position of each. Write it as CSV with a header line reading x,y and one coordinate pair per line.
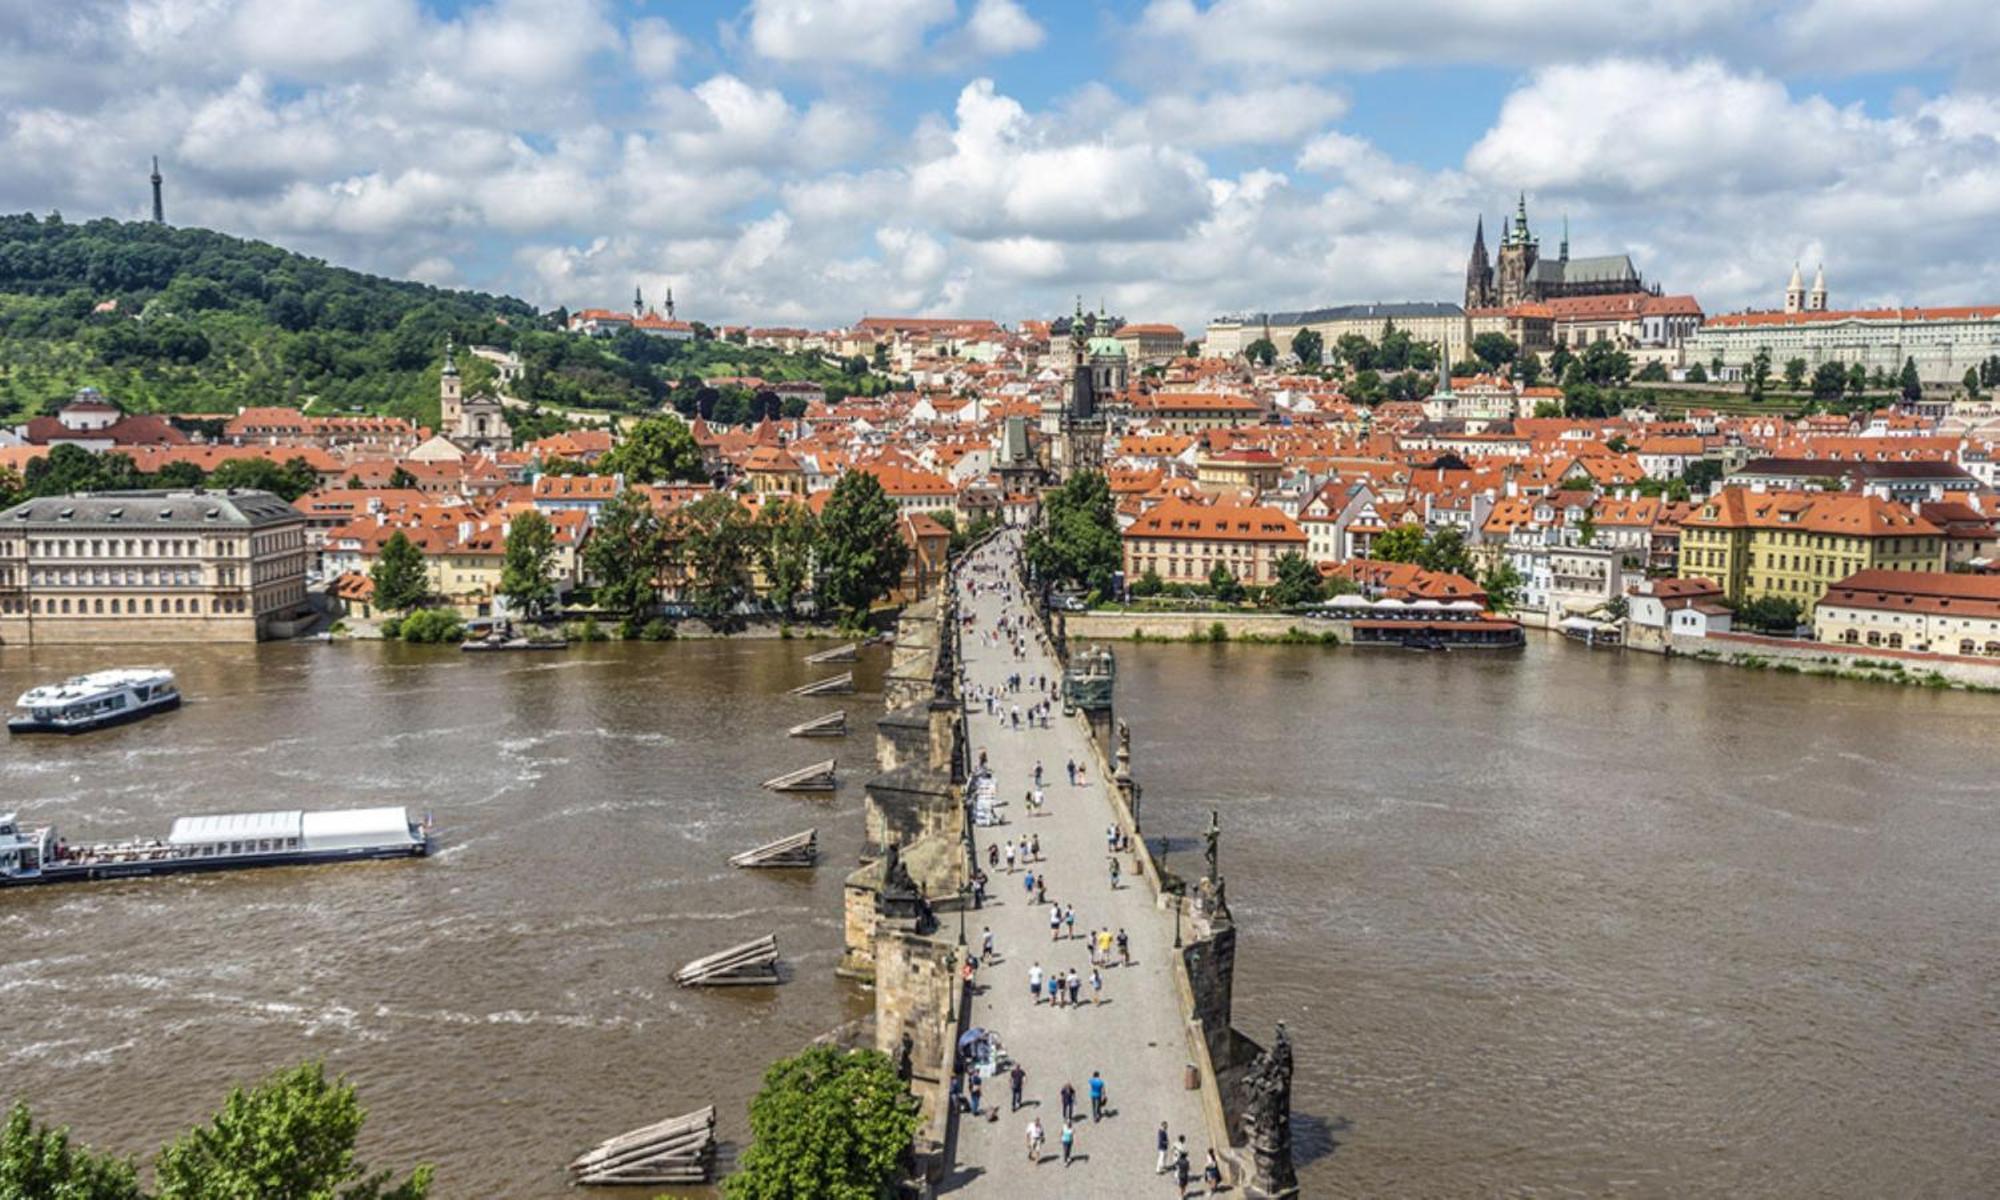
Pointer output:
x,y
964,894
1180,894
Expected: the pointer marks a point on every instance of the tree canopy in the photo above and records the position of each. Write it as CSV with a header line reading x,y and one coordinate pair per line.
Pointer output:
x,y
829,1124
1298,581
291,1137
655,450
402,581
1079,543
527,571
625,553
861,553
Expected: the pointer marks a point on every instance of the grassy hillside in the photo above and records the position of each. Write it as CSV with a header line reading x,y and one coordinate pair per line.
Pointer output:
x,y
197,321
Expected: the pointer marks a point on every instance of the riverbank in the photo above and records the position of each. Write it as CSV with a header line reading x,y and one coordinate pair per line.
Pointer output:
x,y
1251,628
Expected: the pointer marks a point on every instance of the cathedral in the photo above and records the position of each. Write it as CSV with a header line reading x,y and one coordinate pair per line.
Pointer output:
x,y
1519,273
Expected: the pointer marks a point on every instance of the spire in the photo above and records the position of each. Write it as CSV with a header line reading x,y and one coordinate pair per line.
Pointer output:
x,y
1797,284
670,302
1563,254
1816,302
1479,237
159,209
1795,292
638,302
450,365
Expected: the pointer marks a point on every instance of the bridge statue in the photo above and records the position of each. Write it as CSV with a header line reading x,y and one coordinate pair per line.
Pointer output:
x,y
1267,1122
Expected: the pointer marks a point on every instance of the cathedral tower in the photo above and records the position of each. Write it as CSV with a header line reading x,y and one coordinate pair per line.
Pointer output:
x,y
1795,292
1816,299
1518,253
1479,271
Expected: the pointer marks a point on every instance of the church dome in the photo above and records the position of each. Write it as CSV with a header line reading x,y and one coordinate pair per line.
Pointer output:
x,y
1107,346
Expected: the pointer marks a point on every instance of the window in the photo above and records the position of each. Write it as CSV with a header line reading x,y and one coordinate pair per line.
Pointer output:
x,y
1895,641
1851,636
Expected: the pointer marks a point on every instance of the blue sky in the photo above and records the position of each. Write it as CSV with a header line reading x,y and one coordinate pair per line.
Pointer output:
x,y
811,161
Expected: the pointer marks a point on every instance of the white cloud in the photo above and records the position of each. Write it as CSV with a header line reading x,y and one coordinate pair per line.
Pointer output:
x,y
999,27
877,33
1864,35
1300,36
319,37
1005,174
656,48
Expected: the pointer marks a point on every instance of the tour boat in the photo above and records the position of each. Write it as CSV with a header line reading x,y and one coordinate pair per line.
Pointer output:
x,y
222,842
95,700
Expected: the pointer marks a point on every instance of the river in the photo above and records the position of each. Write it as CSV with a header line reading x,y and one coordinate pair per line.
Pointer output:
x,y
1560,923
1576,923
502,1005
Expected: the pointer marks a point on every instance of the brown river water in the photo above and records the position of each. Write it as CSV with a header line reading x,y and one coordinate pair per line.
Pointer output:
x,y
1561,923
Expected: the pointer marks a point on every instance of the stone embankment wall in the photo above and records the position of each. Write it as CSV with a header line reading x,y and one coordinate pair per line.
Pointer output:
x,y
1847,662
916,804
1198,626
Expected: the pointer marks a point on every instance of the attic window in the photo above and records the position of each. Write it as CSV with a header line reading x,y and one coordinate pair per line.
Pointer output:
x,y
165,514
115,514
66,514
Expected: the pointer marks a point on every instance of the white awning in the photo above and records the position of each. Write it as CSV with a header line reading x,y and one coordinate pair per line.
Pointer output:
x,y
233,827
347,828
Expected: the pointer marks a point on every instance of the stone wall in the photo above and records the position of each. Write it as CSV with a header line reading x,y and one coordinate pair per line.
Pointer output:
x,y
1120,626
1823,658
32,630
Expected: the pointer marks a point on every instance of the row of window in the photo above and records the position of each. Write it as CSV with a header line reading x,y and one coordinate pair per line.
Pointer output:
x,y
1894,641
127,606
121,548
116,577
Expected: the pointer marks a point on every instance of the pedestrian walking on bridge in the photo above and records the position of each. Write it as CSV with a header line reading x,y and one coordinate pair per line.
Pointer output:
x,y
1096,1096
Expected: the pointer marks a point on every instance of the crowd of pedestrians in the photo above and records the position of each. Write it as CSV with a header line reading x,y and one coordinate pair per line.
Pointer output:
x,y
1023,701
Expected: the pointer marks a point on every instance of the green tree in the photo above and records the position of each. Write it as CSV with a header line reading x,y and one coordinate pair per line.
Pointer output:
x,y
1829,382
718,546
1404,543
785,534
1529,369
1697,374
1857,379
1559,362
1502,586
39,1163
1496,350
829,1124
289,1138
626,550
1795,373
1148,584
402,581
1079,544
1908,384
1586,529
1298,581
428,626
1308,346
1760,372
13,488
1224,586
1652,372
1545,409
401,478
1355,351
1772,614
1445,551
860,552
1971,381
881,356
654,450
1261,352
290,481
527,572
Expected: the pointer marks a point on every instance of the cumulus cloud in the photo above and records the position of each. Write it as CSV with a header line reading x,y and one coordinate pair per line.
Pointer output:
x,y
1298,36
566,149
876,33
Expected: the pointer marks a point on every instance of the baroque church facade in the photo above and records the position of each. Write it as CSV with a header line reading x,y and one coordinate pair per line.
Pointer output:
x,y
474,425
1519,274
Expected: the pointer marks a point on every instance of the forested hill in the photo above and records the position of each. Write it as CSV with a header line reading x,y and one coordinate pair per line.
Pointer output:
x,y
188,320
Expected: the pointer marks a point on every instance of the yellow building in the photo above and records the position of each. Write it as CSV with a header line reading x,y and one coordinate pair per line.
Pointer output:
x,y
1796,545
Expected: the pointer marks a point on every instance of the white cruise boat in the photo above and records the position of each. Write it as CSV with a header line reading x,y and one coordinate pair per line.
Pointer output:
x,y
95,700
219,842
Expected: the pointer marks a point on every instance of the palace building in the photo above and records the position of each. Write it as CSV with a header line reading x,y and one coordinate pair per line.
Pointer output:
x,y
151,566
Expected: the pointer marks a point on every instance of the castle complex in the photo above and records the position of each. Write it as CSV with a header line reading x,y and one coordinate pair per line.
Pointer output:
x,y
1519,274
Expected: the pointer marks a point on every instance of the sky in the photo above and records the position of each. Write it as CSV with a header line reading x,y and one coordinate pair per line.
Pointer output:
x,y
809,162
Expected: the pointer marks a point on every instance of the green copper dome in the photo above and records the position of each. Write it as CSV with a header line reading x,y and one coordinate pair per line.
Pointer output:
x,y
1106,345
